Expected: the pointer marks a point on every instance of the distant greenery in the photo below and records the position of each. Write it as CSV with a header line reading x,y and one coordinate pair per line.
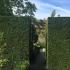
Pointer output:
x,y
53,13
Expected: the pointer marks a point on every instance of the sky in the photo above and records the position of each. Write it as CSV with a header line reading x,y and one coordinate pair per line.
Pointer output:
x,y
45,8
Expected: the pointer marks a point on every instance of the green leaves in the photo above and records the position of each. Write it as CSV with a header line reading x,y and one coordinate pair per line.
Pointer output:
x,y
24,7
5,8
59,43
14,42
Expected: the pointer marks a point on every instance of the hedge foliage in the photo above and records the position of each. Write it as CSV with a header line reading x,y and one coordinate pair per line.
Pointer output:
x,y
59,43
14,43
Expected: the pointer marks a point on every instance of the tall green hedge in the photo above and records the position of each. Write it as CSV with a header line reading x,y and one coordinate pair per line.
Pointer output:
x,y
14,42
58,43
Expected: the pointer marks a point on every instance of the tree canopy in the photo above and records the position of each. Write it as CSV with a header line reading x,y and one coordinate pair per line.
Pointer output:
x,y
17,7
53,13
5,8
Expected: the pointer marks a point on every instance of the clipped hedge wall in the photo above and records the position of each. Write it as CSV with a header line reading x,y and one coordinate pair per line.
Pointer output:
x,y
59,43
14,42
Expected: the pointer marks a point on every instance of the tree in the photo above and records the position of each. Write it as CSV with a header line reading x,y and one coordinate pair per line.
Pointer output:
x,y
53,13
58,15
5,8
23,7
